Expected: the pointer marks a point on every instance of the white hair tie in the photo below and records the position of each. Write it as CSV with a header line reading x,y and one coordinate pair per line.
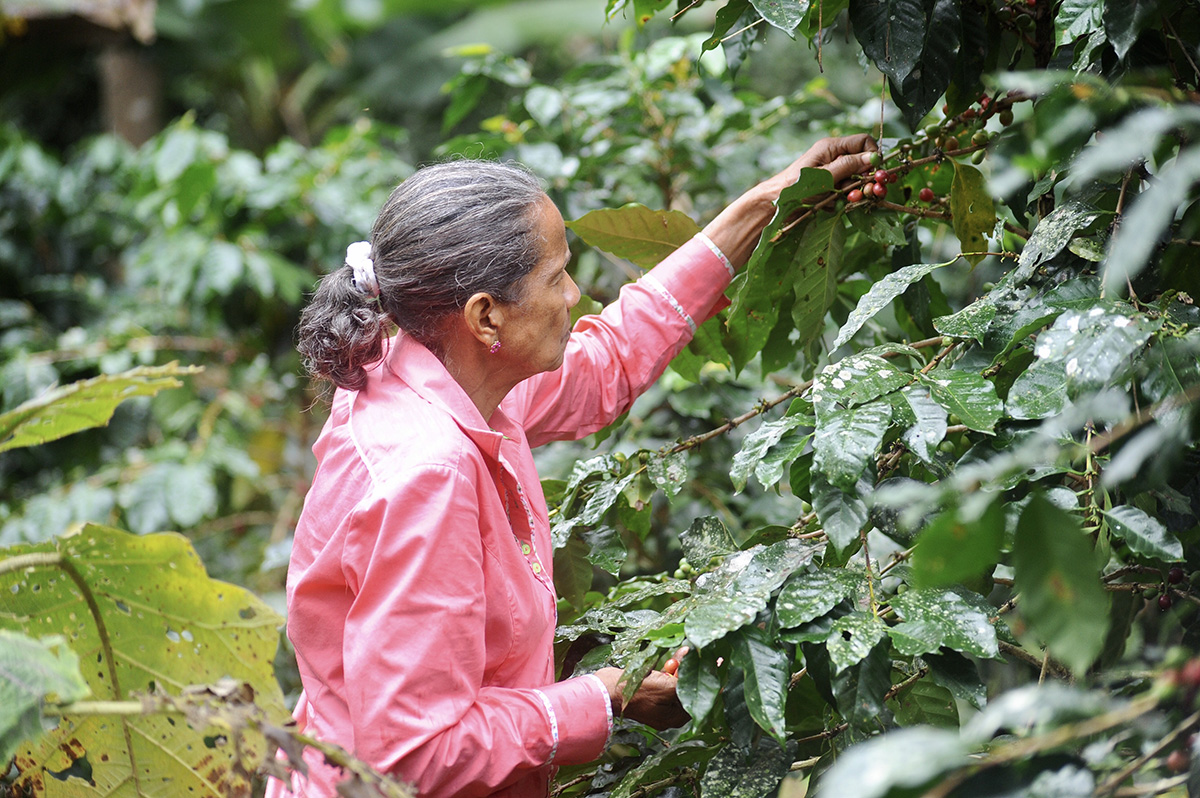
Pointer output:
x,y
358,258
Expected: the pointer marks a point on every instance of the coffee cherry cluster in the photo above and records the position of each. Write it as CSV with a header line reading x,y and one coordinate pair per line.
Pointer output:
x,y
876,186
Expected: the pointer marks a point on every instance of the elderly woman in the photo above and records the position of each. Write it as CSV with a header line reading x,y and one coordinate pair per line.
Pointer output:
x,y
420,594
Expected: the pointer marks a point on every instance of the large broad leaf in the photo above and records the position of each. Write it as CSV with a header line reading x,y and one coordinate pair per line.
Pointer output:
x,y
699,685
818,263
807,596
83,405
847,439
732,595
969,396
634,232
898,762
973,210
1058,579
706,538
1144,534
143,614
1094,346
952,550
31,672
937,617
860,689
880,295
770,272
925,703
892,34
766,672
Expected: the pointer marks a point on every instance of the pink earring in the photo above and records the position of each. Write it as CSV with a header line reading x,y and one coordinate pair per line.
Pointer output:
x,y
495,347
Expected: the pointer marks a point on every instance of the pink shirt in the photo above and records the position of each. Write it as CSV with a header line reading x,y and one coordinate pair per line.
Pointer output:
x,y
420,596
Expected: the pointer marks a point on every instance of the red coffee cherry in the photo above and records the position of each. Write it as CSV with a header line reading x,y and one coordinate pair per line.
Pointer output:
x,y
880,190
671,667
1175,575
881,176
1164,602
926,194
854,195
1178,761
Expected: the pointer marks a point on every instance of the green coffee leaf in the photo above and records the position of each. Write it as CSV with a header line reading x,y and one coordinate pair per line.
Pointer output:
x,y
852,637
732,595
842,514
951,550
880,296
83,405
772,268
757,444
706,538
1095,346
166,625
818,263
807,596
847,439
783,15
766,671
901,760
668,472
1077,19
699,685
950,617
969,396
1144,534
1058,579
973,321
892,33
634,232
973,210
957,674
929,425
860,689
1040,392
1051,235
855,380
925,703
31,673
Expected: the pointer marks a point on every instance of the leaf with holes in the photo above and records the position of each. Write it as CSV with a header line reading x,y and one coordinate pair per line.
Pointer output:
x,y
852,637
145,616
950,617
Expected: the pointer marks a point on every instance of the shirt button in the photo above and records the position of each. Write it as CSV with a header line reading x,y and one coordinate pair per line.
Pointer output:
x,y
537,568
525,548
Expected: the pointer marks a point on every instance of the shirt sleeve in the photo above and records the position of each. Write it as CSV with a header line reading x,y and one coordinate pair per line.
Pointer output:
x,y
414,654
613,357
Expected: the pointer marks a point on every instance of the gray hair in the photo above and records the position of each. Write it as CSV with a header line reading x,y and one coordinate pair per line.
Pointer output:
x,y
447,232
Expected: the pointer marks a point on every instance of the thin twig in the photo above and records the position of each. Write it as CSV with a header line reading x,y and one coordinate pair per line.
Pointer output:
x,y
1115,780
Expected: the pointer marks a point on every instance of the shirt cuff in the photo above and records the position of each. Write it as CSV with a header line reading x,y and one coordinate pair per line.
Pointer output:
x,y
580,716
695,277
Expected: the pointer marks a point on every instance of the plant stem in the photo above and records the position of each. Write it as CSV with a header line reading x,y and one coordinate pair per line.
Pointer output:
x,y
1113,782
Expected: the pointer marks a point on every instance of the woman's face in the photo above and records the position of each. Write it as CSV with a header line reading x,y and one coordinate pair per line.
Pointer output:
x,y
536,327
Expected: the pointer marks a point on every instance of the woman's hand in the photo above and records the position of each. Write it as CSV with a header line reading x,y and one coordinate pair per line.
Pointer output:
x,y
736,229
655,703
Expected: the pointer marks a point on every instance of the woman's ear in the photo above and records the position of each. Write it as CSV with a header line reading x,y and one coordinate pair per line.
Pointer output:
x,y
483,316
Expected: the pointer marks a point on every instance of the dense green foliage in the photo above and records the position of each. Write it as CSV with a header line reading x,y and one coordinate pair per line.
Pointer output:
x,y
922,501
